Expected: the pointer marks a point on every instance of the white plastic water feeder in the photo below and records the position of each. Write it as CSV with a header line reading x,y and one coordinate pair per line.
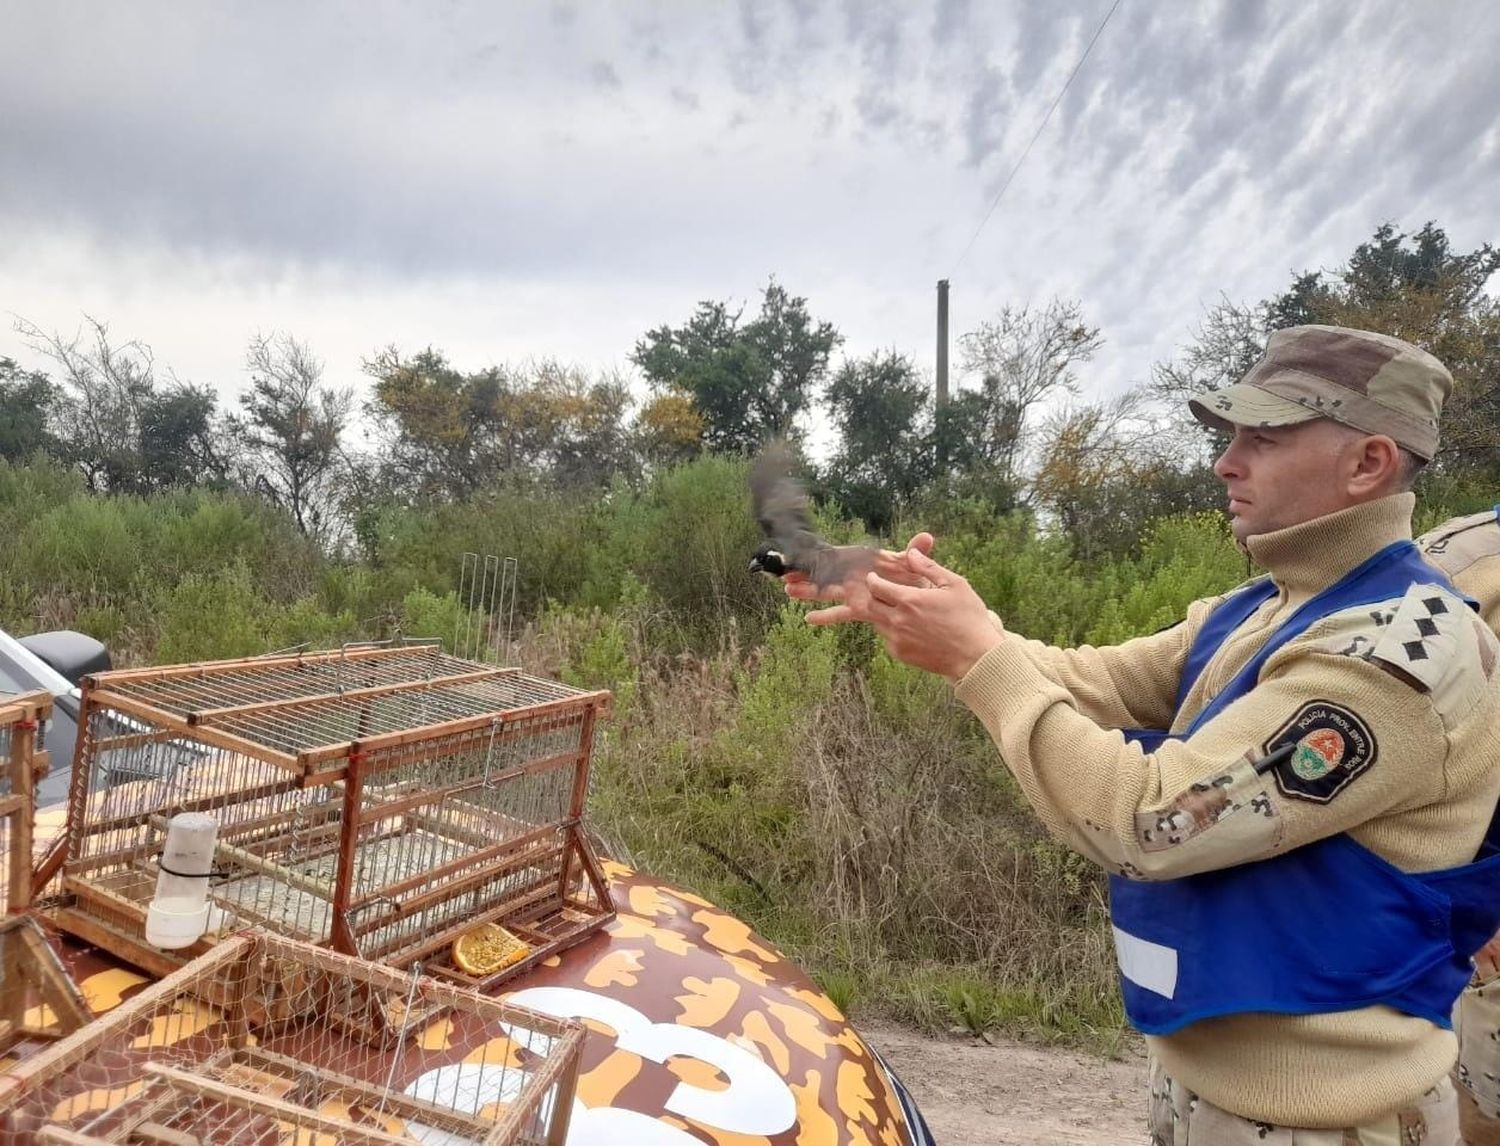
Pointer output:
x,y
178,913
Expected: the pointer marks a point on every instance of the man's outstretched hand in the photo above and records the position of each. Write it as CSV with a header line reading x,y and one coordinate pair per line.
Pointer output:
x,y
927,615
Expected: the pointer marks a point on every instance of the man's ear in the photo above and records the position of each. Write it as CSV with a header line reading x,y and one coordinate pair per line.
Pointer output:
x,y
1377,466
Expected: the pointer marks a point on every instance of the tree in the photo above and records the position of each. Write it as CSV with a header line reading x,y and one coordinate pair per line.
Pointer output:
x,y
1417,287
181,443
26,404
1230,340
125,432
591,444
1022,357
290,432
448,435
104,386
668,431
434,423
880,406
1105,471
751,382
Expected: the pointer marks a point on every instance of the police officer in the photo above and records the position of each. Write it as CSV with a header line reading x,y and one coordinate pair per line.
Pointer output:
x,y
1290,788
1467,549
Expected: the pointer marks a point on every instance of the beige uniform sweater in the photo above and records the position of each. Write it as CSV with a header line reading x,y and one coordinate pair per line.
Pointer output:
x,y
1468,550
1419,793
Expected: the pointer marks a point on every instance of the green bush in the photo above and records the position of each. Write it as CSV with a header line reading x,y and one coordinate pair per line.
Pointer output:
x,y
209,616
82,547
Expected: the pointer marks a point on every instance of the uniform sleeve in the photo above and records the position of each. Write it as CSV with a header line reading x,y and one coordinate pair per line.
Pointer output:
x,y
1481,580
1468,550
1130,685
1363,741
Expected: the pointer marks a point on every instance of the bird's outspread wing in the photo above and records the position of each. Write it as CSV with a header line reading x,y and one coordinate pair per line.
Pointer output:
x,y
781,508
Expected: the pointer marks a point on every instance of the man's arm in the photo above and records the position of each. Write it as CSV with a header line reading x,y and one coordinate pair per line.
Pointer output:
x,y
1368,734
1363,742
1129,685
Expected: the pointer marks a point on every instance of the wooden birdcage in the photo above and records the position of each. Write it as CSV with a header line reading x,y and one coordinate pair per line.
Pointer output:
x,y
379,801
38,1001
265,1040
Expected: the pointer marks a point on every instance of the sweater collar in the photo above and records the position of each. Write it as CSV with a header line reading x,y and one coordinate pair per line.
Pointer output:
x,y
1305,559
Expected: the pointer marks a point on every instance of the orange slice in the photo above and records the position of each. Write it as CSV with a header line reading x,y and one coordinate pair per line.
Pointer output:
x,y
488,948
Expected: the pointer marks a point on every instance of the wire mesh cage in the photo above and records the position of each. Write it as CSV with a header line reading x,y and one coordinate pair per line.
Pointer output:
x,y
266,1040
38,1002
379,801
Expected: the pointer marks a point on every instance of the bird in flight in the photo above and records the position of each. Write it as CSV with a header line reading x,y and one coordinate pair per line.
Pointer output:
x,y
791,545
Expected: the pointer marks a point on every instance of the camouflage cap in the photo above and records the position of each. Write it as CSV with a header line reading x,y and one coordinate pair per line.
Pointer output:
x,y
1369,381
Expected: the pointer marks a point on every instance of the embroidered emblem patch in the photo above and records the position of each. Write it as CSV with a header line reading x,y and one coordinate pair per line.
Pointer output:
x,y
1331,746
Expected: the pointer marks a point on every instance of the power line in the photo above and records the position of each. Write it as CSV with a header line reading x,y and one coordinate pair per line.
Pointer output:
x,y
1042,127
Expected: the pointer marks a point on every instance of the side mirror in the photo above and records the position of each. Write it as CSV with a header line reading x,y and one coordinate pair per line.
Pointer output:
x,y
72,655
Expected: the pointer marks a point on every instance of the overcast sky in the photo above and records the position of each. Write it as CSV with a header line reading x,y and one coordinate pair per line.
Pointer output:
x,y
507,179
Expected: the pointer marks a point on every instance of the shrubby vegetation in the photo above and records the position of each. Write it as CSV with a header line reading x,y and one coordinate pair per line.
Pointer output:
x,y
839,801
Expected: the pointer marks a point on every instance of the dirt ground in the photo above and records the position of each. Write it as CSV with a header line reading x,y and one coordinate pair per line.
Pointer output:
x,y
1010,1093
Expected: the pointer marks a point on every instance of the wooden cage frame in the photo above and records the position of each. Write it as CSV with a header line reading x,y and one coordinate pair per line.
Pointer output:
x,y
549,915
226,978
21,719
29,969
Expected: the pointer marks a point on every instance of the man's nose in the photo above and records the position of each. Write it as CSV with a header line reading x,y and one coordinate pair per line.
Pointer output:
x,y
1228,463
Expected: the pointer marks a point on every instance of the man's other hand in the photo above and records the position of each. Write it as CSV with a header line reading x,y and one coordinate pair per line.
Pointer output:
x,y
927,615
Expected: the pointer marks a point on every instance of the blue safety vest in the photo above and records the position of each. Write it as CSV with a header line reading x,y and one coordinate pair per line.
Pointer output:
x,y
1329,926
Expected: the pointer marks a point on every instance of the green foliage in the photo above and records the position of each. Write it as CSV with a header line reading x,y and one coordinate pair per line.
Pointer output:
x,y
1184,559
748,382
880,407
449,436
970,1000
26,398
83,547
841,987
211,616
902,696
599,653
694,544
305,622
424,547
779,696
428,614
1418,287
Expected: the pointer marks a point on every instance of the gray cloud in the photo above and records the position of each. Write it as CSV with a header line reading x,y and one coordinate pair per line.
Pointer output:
x,y
603,74
849,147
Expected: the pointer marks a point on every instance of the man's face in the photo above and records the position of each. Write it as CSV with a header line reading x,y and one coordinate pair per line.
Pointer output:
x,y
1281,476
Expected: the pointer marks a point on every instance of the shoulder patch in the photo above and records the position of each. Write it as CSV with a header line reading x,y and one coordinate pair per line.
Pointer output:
x,y
1433,644
1331,746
